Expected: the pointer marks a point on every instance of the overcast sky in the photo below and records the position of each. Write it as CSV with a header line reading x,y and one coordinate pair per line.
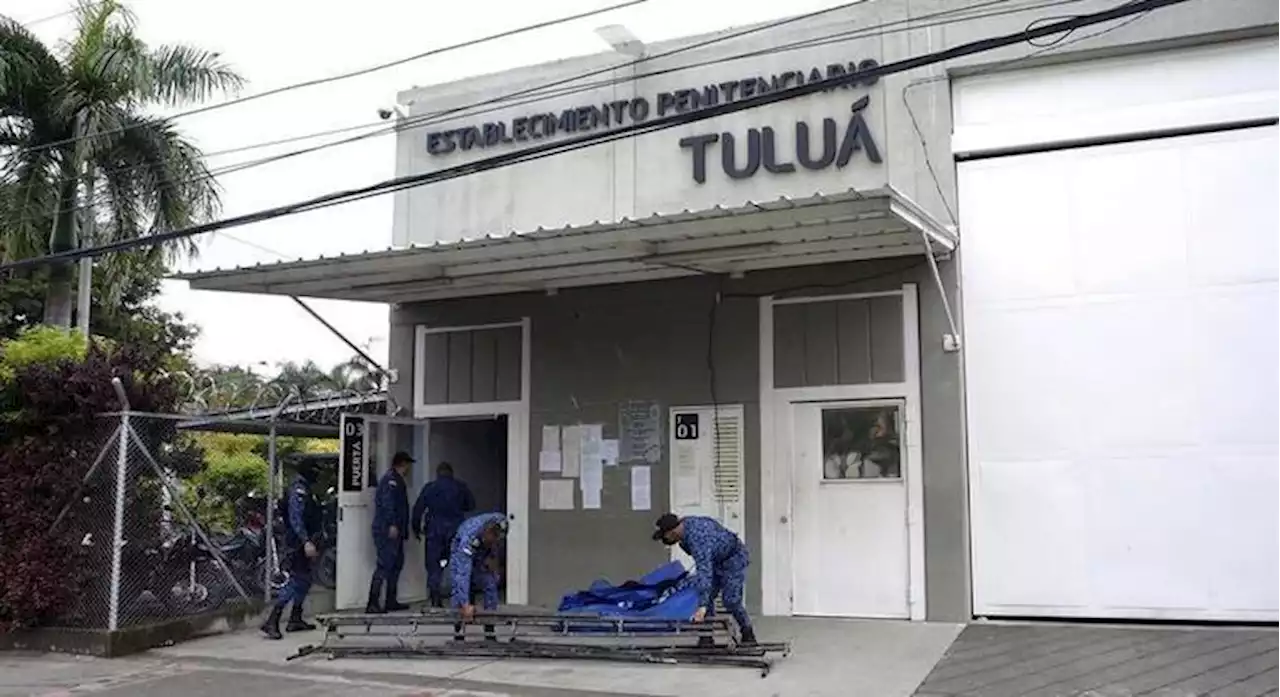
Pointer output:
x,y
278,42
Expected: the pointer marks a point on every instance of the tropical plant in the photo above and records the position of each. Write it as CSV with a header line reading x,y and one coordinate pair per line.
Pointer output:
x,y
83,163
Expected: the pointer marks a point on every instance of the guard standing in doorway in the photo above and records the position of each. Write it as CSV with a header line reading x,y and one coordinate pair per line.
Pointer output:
x,y
390,525
720,566
301,541
444,502
473,565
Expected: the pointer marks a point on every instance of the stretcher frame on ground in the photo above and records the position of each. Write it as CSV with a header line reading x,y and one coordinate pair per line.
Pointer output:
x,y
540,635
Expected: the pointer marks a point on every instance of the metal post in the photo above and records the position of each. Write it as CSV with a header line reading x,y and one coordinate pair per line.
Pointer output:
x,y
269,568
122,481
273,474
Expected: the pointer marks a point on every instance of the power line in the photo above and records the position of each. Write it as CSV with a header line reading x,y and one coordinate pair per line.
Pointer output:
x,y
549,149
1043,48
354,73
430,118
502,103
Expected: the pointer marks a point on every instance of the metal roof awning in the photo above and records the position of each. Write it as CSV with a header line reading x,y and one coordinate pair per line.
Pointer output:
x,y
819,229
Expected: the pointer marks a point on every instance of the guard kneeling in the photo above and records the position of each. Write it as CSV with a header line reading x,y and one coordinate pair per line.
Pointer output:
x,y
473,565
720,566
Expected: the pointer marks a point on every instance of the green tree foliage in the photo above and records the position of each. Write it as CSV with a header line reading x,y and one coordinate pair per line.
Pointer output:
x,y
83,159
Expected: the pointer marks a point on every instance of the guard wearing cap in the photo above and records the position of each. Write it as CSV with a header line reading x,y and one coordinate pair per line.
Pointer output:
x,y
473,565
301,545
390,526
720,566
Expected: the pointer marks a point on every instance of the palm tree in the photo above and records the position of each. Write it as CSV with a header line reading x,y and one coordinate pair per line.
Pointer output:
x,y
83,163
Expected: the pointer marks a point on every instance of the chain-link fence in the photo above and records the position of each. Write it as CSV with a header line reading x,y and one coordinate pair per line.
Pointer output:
x,y
155,547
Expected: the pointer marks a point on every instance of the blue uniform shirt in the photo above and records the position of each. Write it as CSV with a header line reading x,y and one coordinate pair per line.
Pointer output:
x,y
711,545
391,505
467,552
444,502
303,513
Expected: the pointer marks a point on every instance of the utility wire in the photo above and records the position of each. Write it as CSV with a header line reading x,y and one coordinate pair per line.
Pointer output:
x,y
434,118
354,73
568,145
414,122
1043,48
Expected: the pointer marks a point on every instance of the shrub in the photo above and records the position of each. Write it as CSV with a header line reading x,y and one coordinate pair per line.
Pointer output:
x,y
50,432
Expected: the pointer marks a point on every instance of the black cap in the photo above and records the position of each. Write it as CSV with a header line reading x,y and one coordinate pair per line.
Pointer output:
x,y
664,525
400,457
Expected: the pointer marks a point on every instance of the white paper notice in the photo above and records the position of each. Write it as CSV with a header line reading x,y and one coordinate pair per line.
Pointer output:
x,y
555,494
591,498
609,453
549,461
592,479
571,449
550,439
688,484
641,493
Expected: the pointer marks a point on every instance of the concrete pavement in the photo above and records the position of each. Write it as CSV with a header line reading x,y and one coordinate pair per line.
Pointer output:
x,y
830,657
1048,660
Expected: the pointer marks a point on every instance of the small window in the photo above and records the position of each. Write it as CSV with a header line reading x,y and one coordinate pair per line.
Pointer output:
x,y
861,443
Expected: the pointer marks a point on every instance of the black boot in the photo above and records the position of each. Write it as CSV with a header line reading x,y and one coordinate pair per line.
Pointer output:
x,y
375,593
392,604
296,623
436,600
748,637
706,642
271,625
457,632
489,633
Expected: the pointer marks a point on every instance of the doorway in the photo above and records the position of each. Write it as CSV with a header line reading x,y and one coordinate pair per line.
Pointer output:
x,y
851,543
476,448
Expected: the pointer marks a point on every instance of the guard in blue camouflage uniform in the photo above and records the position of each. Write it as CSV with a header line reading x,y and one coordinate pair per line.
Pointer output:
x,y
445,502
720,566
302,517
473,565
390,526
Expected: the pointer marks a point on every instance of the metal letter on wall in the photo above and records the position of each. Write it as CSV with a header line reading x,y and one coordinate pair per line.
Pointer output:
x,y
351,448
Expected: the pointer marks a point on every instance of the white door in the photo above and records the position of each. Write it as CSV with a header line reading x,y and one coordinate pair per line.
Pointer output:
x,y
707,467
850,509
367,444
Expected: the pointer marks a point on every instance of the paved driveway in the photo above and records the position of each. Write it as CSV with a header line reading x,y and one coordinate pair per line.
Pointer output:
x,y
993,660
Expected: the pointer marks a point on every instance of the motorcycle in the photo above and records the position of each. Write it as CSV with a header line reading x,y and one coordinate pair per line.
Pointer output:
x,y
326,568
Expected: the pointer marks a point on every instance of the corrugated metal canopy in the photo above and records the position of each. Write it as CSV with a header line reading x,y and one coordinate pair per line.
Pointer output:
x,y
819,229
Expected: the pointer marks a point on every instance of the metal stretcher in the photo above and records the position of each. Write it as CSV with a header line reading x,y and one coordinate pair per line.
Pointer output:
x,y
540,635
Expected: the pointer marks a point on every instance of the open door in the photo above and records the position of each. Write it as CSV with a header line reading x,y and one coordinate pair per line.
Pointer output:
x,y
367,444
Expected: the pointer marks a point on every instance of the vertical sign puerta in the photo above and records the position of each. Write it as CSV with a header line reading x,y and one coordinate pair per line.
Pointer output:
x,y
352,445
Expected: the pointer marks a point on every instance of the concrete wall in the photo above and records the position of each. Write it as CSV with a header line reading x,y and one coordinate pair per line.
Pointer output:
x,y
652,173
594,348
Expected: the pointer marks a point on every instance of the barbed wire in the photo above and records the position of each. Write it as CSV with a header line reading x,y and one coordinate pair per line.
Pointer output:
x,y
232,398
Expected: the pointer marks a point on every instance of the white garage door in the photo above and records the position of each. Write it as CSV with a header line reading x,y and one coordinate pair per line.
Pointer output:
x,y
1120,307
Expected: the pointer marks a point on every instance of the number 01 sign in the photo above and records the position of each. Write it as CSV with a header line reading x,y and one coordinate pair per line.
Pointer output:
x,y
686,427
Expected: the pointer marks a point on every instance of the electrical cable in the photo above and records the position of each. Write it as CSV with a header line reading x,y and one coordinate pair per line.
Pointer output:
x,y
631,130
354,73
1061,42
438,117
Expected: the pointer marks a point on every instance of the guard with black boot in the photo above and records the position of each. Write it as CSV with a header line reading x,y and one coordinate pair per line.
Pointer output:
x,y
473,565
720,562
444,502
302,535
390,524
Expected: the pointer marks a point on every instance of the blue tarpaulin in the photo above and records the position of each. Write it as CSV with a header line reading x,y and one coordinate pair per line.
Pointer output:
x,y
662,594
